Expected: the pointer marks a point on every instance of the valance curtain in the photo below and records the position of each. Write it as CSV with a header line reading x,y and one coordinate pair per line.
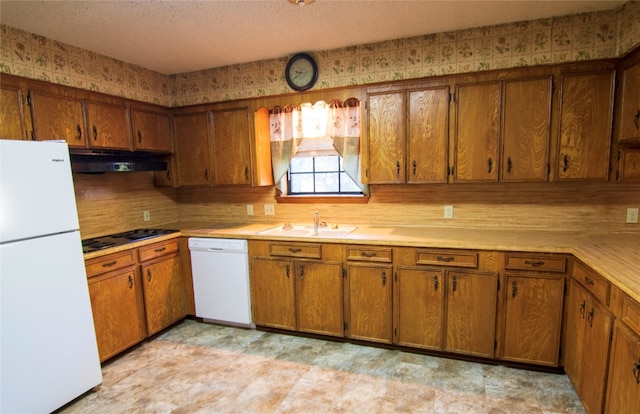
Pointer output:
x,y
307,128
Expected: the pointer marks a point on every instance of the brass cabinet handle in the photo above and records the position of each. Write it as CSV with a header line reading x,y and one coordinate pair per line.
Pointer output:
x,y
589,281
489,165
206,173
636,119
446,259
509,164
130,282
636,371
565,163
301,272
149,275
514,289
139,137
454,283
246,173
109,264
397,167
534,263
95,133
287,271
384,278
160,249
583,308
435,282
414,165
368,254
79,131
169,174
294,250
590,318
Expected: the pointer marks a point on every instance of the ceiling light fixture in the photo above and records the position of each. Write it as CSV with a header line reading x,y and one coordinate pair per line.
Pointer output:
x,y
301,2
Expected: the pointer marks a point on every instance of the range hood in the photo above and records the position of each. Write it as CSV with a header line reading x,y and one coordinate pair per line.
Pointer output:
x,y
102,161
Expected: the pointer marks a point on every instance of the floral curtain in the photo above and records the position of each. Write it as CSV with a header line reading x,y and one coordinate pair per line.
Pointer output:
x,y
315,123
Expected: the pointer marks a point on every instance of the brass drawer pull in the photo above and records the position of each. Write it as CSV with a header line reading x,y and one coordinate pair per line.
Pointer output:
x,y
109,264
161,249
368,254
295,250
446,259
534,263
589,281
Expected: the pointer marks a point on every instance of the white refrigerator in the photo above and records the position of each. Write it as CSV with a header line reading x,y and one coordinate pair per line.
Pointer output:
x,y
48,349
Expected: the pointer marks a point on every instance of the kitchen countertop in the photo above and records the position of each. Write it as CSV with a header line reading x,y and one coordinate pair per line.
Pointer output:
x,y
616,256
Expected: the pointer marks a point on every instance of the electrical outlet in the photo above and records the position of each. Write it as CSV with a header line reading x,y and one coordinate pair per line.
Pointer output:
x,y
249,210
632,215
269,210
448,212
146,216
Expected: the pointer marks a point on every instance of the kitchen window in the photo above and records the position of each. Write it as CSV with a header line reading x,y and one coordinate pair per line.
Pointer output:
x,y
320,175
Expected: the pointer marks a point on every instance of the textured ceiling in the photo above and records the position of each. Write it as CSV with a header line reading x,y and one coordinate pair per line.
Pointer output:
x,y
182,36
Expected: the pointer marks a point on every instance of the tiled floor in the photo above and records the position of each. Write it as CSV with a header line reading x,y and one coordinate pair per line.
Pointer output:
x,y
203,368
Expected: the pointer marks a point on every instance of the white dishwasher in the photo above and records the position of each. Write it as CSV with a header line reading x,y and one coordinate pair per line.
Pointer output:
x,y
221,280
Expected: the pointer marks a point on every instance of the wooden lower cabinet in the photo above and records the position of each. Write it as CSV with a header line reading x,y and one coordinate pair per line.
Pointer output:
x,y
533,318
369,297
319,297
118,312
471,299
273,292
163,292
623,395
588,338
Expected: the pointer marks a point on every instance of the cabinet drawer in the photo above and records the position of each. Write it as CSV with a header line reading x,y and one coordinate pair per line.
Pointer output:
x,y
631,314
313,251
158,249
455,258
535,262
369,254
593,282
114,261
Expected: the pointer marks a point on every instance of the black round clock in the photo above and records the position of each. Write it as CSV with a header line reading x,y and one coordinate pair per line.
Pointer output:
x,y
301,72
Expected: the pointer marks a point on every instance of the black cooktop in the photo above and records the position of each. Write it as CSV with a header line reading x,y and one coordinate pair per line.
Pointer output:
x,y
118,239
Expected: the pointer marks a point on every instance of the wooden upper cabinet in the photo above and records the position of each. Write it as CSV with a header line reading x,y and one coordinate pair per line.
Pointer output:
x,y
630,105
427,155
526,129
386,138
58,117
586,111
477,132
629,169
192,144
151,131
12,124
231,147
108,126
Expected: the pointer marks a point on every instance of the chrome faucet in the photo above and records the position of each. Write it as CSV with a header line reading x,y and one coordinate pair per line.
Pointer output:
x,y
316,222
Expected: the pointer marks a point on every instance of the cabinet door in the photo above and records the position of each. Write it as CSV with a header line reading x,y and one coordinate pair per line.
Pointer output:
x,y
12,124
630,165
167,178
370,302
624,373
163,292
526,129
420,299
151,131
586,111
192,143
595,355
319,297
477,132
57,117
273,292
630,106
574,341
533,319
232,157
471,312
108,126
386,138
118,312
427,154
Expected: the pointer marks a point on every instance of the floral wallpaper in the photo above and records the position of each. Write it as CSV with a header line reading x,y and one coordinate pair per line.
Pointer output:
x,y
560,39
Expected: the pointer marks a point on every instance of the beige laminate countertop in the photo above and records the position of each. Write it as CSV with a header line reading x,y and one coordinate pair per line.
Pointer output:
x,y
614,256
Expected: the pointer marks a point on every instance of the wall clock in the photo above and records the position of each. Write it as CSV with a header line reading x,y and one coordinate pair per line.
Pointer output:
x,y
301,72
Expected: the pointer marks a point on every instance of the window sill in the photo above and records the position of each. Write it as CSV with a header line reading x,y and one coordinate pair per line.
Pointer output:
x,y
316,199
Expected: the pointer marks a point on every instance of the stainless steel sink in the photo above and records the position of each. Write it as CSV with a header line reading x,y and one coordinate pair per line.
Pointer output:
x,y
307,231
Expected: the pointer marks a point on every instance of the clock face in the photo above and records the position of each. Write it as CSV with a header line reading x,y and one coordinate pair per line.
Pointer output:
x,y
301,72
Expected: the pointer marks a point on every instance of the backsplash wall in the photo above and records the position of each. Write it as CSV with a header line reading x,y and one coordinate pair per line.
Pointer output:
x,y
561,39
